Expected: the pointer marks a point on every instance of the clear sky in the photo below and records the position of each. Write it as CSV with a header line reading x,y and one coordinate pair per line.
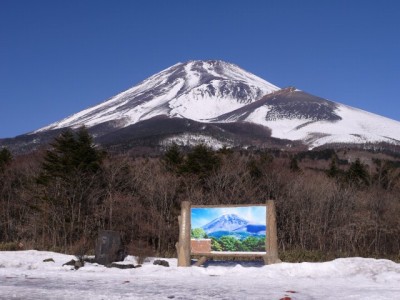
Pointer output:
x,y
58,57
253,214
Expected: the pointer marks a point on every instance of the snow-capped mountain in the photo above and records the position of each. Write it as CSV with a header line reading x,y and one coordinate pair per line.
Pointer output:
x,y
233,225
218,103
298,116
196,90
227,222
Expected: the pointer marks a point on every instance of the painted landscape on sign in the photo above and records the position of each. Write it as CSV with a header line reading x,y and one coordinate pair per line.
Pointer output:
x,y
230,229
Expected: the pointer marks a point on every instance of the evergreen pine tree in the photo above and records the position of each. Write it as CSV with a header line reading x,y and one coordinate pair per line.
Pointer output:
x,y
201,161
86,157
173,158
68,181
254,169
294,165
70,154
5,158
333,168
358,174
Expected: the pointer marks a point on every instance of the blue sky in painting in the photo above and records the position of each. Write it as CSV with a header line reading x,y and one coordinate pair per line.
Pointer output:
x,y
202,216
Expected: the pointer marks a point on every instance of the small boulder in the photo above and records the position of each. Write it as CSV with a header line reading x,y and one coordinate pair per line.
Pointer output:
x,y
75,263
161,262
121,266
90,260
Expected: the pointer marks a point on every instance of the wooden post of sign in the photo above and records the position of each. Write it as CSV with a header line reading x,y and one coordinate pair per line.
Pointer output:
x,y
271,241
183,246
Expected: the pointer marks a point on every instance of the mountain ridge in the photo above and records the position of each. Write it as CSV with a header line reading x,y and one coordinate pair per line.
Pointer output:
x,y
233,225
224,104
227,222
169,92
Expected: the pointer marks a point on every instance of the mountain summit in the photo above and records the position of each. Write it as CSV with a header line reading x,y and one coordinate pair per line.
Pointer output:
x,y
228,222
219,104
196,90
233,225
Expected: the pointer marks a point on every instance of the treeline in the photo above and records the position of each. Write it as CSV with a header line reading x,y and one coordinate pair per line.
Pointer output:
x,y
59,199
232,244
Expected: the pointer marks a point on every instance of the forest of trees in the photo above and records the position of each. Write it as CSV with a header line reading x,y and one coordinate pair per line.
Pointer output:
x,y
60,198
231,243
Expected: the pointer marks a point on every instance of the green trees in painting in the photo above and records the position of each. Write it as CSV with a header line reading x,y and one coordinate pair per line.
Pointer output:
x,y
230,243
198,233
253,243
215,245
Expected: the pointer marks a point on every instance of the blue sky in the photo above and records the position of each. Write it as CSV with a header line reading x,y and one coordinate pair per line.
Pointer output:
x,y
59,57
253,214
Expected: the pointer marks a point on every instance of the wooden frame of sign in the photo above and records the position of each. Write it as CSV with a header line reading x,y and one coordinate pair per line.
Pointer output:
x,y
183,247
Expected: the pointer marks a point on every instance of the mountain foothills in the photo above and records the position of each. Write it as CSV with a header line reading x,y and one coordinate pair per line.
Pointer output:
x,y
219,104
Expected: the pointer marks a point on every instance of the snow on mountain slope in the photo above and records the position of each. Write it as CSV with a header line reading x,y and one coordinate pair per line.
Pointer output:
x,y
354,126
252,228
298,116
196,90
227,222
220,92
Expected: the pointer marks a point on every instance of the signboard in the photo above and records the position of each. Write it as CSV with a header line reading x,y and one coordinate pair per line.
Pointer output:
x,y
228,229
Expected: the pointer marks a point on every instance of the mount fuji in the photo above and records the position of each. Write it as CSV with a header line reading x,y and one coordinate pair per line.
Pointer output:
x,y
218,103
196,90
228,222
231,224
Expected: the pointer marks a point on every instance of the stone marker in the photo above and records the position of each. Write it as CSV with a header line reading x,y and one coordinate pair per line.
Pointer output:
x,y
108,248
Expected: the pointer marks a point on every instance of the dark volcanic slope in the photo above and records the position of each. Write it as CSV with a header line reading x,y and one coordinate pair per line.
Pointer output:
x,y
152,133
287,103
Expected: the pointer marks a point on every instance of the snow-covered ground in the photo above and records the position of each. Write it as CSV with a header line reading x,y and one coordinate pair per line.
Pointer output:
x,y
24,275
187,139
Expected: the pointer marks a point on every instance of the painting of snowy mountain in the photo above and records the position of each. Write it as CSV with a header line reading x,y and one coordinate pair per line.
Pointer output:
x,y
231,229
